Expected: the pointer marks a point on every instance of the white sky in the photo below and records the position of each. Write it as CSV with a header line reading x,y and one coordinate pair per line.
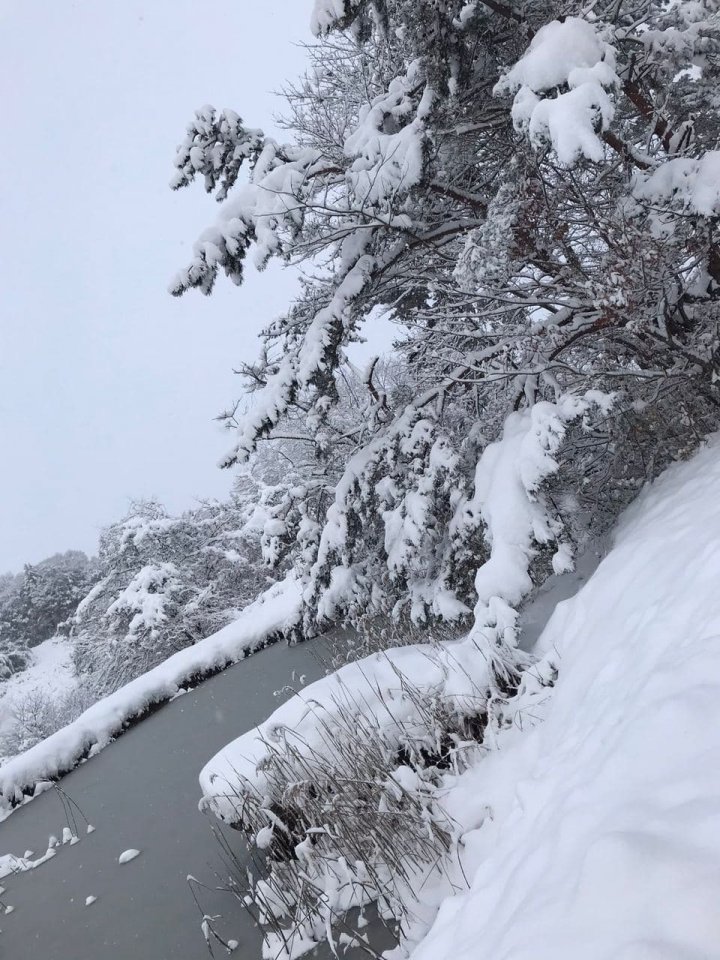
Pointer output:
x,y
109,386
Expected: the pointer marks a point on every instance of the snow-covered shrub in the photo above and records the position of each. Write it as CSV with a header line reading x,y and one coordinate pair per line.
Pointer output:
x,y
36,715
340,792
350,817
14,657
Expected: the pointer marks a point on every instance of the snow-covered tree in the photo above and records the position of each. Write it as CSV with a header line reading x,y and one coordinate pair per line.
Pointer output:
x,y
530,194
167,582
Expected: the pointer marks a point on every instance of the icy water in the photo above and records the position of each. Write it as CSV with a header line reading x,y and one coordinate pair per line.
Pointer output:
x,y
142,792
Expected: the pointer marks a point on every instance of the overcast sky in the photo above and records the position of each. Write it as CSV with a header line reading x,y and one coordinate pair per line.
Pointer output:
x,y
109,386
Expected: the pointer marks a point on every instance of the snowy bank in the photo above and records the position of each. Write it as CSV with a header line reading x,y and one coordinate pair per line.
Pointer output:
x,y
596,834
21,777
590,826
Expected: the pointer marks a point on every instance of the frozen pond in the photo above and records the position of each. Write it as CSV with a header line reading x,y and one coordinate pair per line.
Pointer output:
x,y
142,792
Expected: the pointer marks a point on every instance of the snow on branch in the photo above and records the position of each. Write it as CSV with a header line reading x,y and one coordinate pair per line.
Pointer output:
x,y
517,516
571,61
388,143
215,147
692,183
331,15
268,211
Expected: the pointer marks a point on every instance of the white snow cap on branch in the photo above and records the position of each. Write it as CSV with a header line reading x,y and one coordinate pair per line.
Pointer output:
x,y
388,142
147,595
569,54
328,13
694,183
508,479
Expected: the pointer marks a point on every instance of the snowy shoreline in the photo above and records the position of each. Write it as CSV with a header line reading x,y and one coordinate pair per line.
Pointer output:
x,y
30,773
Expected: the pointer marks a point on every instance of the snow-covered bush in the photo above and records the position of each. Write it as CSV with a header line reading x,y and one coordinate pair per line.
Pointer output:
x,y
37,714
14,657
37,601
350,815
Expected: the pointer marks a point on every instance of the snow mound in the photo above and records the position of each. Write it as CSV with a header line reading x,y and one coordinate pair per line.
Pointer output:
x,y
28,773
127,855
596,834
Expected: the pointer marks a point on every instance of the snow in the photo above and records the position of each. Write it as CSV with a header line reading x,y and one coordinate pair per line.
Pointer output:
x,y
386,164
68,836
127,855
141,792
558,53
10,864
508,476
146,596
569,122
563,54
597,832
693,182
29,772
328,13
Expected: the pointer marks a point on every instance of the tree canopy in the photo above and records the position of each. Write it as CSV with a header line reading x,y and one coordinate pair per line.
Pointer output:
x,y
529,193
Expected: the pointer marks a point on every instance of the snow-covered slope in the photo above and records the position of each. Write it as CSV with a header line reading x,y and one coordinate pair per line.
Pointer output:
x,y
596,835
49,673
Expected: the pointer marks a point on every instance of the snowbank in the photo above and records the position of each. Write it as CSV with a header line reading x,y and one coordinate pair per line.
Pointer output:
x,y
20,777
597,833
591,827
